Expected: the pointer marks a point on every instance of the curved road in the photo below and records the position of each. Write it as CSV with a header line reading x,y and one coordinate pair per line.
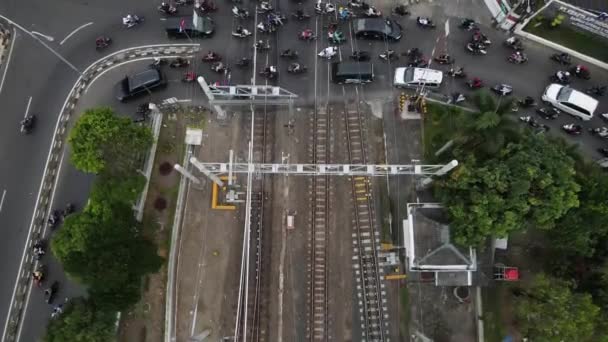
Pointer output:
x,y
35,72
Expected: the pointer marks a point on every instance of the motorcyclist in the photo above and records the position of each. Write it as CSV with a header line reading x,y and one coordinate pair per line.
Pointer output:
x,y
476,82
265,6
129,20
444,58
307,33
563,76
295,67
564,57
27,122
37,275
424,21
581,70
518,57
289,53
528,101
401,10
328,52
467,23
388,54
101,41
260,44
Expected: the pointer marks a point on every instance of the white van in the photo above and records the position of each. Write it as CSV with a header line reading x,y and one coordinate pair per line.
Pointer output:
x,y
416,77
570,101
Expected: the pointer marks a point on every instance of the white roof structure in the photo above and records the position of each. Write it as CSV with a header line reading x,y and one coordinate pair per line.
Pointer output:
x,y
429,249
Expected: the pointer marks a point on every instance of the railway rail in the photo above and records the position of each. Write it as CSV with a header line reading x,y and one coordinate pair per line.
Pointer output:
x,y
318,289
366,238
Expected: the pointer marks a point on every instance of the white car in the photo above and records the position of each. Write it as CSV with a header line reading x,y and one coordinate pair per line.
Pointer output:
x,y
412,77
570,101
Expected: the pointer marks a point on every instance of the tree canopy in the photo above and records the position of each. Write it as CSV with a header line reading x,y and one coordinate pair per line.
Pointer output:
x,y
549,311
81,321
101,247
102,141
529,182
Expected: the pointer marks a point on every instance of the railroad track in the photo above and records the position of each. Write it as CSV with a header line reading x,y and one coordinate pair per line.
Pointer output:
x,y
366,239
318,291
257,317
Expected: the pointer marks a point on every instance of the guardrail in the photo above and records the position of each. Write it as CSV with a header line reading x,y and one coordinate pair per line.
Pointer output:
x,y
49,178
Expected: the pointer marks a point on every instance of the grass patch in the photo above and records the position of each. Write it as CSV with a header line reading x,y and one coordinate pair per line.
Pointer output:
x,y
585,43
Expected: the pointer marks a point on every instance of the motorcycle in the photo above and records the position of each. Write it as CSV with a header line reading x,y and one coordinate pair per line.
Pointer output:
x,y
344,13
243,62
27,124
468,24
336,37
324,8
562,77
240,13
514,43
328,52
296,68
269,73
360,56
603,151
132,20
242,33
276,19
355,3
265,28
540,128
167,9
301,16
604,116
208,6
475,83
597,90
372,12
581,71
49,293
189,77
157,63
38,275
517,58
425,23
388,55
53,219
526,103
413,52
480,38
261,46
264,7
102,42
290,54
219,67
456,98
476,49
307,35
69,208
401,10
184,2
573,129
212,57
562,58
601,132
457,73
548,113
420,62
444,59
502,89
179,63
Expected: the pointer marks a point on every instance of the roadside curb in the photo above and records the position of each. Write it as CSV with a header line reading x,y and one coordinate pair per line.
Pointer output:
x,y
49,179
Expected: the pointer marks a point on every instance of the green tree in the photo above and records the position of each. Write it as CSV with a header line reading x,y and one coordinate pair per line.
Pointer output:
x,y
102,248
549,311
527,182
81,321
102,141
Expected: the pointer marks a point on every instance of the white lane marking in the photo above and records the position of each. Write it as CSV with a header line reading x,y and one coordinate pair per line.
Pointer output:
x,y
75,30
49,38
2,200
8,59
27,109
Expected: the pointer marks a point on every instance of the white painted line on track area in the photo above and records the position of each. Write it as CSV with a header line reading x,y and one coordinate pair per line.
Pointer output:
x,y
27,109
49,38
2,200
8,59
75,30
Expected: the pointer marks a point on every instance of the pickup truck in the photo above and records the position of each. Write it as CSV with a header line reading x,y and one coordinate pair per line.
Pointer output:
x,y
184,27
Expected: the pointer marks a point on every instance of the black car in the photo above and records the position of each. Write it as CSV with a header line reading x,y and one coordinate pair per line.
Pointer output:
x,y
139,84
184,27
377,28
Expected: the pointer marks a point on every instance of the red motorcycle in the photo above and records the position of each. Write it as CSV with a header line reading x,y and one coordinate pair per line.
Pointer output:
x,y
189,77
475,83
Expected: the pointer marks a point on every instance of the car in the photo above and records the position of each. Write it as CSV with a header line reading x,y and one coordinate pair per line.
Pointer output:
x,y
184,27
138,84
377,28
412,77
570,100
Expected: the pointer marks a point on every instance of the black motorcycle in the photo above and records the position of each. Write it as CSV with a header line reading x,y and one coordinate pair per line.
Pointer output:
x,y
468,24
301,16
562,58
388,55
548,113
289,54
413,53
27,124
54,218
603,151
212,57
573,129
597,90
444,59
243,62
69,208
269,73
457,73
296,68
360,56
102,42
563,78
51,292
261,46
179,63
401,10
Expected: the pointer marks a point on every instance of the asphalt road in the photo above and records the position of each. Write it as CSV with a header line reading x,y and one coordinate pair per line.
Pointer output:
x,y
34,72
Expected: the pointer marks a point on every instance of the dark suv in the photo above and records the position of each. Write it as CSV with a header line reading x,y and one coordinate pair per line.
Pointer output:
x,y
377,28
138,84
